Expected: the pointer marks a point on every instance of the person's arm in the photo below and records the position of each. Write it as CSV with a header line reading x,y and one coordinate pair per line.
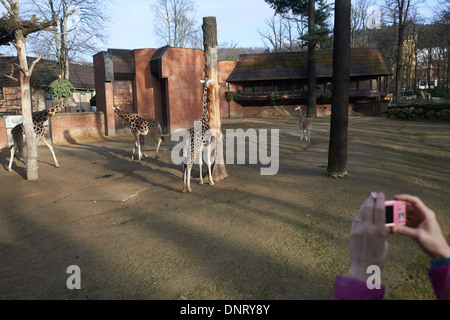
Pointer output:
x,y
423,227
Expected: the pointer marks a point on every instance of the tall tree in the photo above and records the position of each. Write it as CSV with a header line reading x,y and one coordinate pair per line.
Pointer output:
x,y
359,17
337,151
401,11
210,49
82,25
318,32
174,23
14,30
284,33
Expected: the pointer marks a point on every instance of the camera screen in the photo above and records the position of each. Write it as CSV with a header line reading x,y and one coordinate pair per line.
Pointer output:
x,y
389,214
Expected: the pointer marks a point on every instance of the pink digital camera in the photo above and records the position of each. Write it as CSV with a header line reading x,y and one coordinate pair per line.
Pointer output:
x,y
395,213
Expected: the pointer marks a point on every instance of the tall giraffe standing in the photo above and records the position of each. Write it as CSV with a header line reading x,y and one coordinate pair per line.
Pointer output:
x,y
39,117
196,140
141,127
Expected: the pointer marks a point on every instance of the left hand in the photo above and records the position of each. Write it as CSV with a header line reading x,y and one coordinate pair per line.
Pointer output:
x,y
368,245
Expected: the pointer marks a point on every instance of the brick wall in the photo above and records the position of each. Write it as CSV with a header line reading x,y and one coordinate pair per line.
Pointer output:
x,y
74,127
232,109
184,69
3,136
146,87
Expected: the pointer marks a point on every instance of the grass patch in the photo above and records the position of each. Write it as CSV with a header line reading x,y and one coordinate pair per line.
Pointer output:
x,y
416,284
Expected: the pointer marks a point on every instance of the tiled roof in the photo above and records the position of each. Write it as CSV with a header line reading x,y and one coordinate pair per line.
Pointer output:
x,y
293,65
45,72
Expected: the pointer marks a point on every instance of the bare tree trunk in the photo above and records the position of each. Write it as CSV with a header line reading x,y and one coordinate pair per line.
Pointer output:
x,y
311,110
64,50
399,62
210,46
337,152
25,89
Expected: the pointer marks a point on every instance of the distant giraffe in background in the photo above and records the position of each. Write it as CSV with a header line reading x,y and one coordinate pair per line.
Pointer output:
x,y
140,127
39,117
305,125
197,140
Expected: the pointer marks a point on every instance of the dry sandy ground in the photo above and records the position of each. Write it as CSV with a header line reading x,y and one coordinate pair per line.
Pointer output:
x,y
135,235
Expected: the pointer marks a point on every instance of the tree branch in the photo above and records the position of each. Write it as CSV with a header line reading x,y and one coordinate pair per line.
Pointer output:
x,y
30,70
10,76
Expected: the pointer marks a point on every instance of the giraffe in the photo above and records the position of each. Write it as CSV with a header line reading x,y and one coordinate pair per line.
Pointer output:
x,y
196,140
39,117
305,125
140,127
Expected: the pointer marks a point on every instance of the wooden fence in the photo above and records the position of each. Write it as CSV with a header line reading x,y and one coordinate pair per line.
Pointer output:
x,y
370,107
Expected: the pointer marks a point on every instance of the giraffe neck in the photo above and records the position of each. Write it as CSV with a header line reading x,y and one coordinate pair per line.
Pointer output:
x,y
205,117
44,115
124,115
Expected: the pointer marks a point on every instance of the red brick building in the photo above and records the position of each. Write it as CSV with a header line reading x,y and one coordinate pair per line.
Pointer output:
x,y
162,84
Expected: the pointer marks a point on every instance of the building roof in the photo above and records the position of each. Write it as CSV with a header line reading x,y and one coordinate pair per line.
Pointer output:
x,y
293,65
45,72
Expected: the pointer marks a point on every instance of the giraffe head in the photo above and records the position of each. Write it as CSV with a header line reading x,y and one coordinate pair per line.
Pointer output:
x,y
69,102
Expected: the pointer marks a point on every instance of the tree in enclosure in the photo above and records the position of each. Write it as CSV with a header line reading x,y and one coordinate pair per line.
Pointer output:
x,y
174,23
81,28
14,30
318,35
401,13
337,150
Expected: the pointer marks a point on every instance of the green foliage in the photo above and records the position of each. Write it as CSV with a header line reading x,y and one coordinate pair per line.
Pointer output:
x,y
60,89
325,96
440,92
273,99
322,32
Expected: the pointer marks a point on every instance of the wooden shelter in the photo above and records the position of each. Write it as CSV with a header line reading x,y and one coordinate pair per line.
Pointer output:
x,y
258,76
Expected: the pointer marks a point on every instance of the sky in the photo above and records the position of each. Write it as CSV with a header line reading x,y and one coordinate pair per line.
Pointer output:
x,y
238,21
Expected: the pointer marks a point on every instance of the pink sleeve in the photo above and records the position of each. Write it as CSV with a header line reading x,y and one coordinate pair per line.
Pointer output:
x,y
440,279
346,288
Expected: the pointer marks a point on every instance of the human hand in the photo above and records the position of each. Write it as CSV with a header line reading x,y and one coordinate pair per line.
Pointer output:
x,y
422,226
368,245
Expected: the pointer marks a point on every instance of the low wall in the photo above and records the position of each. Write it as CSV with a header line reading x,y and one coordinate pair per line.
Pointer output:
x,y
71,127
3,136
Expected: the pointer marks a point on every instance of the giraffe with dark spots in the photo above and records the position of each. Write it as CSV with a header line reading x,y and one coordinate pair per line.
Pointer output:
x,y
39,117
197,140
140,127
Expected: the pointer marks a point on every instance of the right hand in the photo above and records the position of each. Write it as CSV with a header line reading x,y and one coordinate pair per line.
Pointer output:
x,y
423,227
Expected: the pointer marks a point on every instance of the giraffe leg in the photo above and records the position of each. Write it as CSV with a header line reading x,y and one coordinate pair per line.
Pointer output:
x,y
142,140
184,177
51,150
189,168
12,151
200,164
137,146
187,178
134,148
158,143
208,162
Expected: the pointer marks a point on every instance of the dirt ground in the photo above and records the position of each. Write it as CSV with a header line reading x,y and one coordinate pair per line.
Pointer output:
x,y
135,235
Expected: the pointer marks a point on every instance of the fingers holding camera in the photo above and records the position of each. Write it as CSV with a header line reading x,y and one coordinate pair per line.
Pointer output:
x,y
368,245
372,210
423,227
